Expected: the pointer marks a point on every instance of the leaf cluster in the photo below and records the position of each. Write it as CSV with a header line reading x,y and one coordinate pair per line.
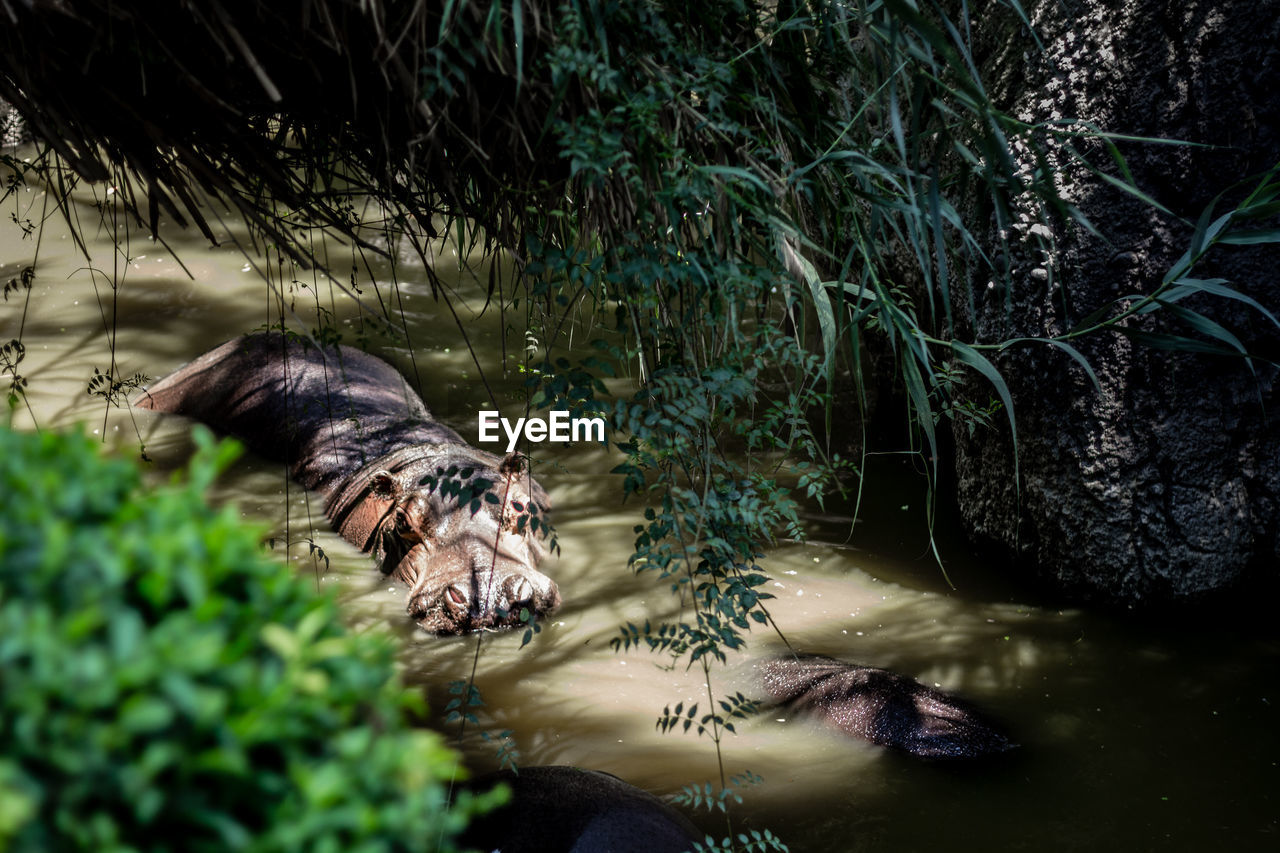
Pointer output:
x,y
112,387
754,841
164,685
459,484
736,707
12,353
704,796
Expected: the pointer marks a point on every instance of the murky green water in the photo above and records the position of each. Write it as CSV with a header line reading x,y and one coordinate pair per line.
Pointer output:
x,y
1133,737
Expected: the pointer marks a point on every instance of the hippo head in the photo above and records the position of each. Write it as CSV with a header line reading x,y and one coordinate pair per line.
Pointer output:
x,y
465,532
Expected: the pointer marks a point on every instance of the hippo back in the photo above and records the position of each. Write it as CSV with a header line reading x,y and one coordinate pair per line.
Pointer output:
x,y
463,528
883,707
325,411
569,810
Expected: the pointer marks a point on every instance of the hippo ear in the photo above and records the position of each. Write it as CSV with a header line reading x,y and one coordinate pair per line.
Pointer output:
x,y
384,485
515,463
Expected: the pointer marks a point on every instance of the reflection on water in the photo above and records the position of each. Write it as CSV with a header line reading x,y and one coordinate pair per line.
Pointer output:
x,y
1132,738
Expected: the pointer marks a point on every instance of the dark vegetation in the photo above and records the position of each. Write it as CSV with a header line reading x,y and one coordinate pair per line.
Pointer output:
x,y
763,206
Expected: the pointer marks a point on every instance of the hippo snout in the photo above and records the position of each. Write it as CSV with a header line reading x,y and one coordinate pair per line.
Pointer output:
x,y
483,601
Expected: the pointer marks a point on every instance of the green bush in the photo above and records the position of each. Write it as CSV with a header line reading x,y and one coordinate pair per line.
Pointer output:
x,y
164,685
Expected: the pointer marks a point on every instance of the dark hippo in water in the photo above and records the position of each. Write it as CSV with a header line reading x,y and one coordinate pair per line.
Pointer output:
x,y
883,707
458,525
568,810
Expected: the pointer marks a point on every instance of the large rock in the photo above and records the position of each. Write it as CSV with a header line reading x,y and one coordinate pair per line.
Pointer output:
x,y
1162,487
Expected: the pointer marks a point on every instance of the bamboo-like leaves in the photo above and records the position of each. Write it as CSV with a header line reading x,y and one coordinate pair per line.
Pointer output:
x,y
1057,343
970,356
1178,283
1219,287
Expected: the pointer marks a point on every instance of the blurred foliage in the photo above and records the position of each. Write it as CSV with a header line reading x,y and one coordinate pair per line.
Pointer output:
x,y
165,686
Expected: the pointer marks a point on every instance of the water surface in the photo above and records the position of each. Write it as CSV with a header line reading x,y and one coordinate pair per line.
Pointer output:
x,y
1133,737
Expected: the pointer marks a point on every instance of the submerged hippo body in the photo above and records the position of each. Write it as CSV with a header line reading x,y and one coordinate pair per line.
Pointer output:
x,y
882,707
350,427
568,810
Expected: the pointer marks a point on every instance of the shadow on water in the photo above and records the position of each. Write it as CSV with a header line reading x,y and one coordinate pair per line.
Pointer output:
x,y
1134,736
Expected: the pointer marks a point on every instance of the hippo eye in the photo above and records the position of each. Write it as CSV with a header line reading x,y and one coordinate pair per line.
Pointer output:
x,y
410,521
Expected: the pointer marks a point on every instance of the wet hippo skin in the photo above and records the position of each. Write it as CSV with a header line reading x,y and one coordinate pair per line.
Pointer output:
x,y
882,707
567,810
349,426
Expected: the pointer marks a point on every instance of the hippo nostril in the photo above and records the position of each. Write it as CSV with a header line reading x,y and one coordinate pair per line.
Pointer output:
x,y
456,597
519,592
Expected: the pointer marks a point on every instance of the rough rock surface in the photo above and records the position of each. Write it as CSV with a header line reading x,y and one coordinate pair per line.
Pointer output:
x,y
1163,487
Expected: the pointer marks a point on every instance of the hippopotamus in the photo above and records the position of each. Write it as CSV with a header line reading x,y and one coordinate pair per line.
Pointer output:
x,y
883,707
556,809
463,528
